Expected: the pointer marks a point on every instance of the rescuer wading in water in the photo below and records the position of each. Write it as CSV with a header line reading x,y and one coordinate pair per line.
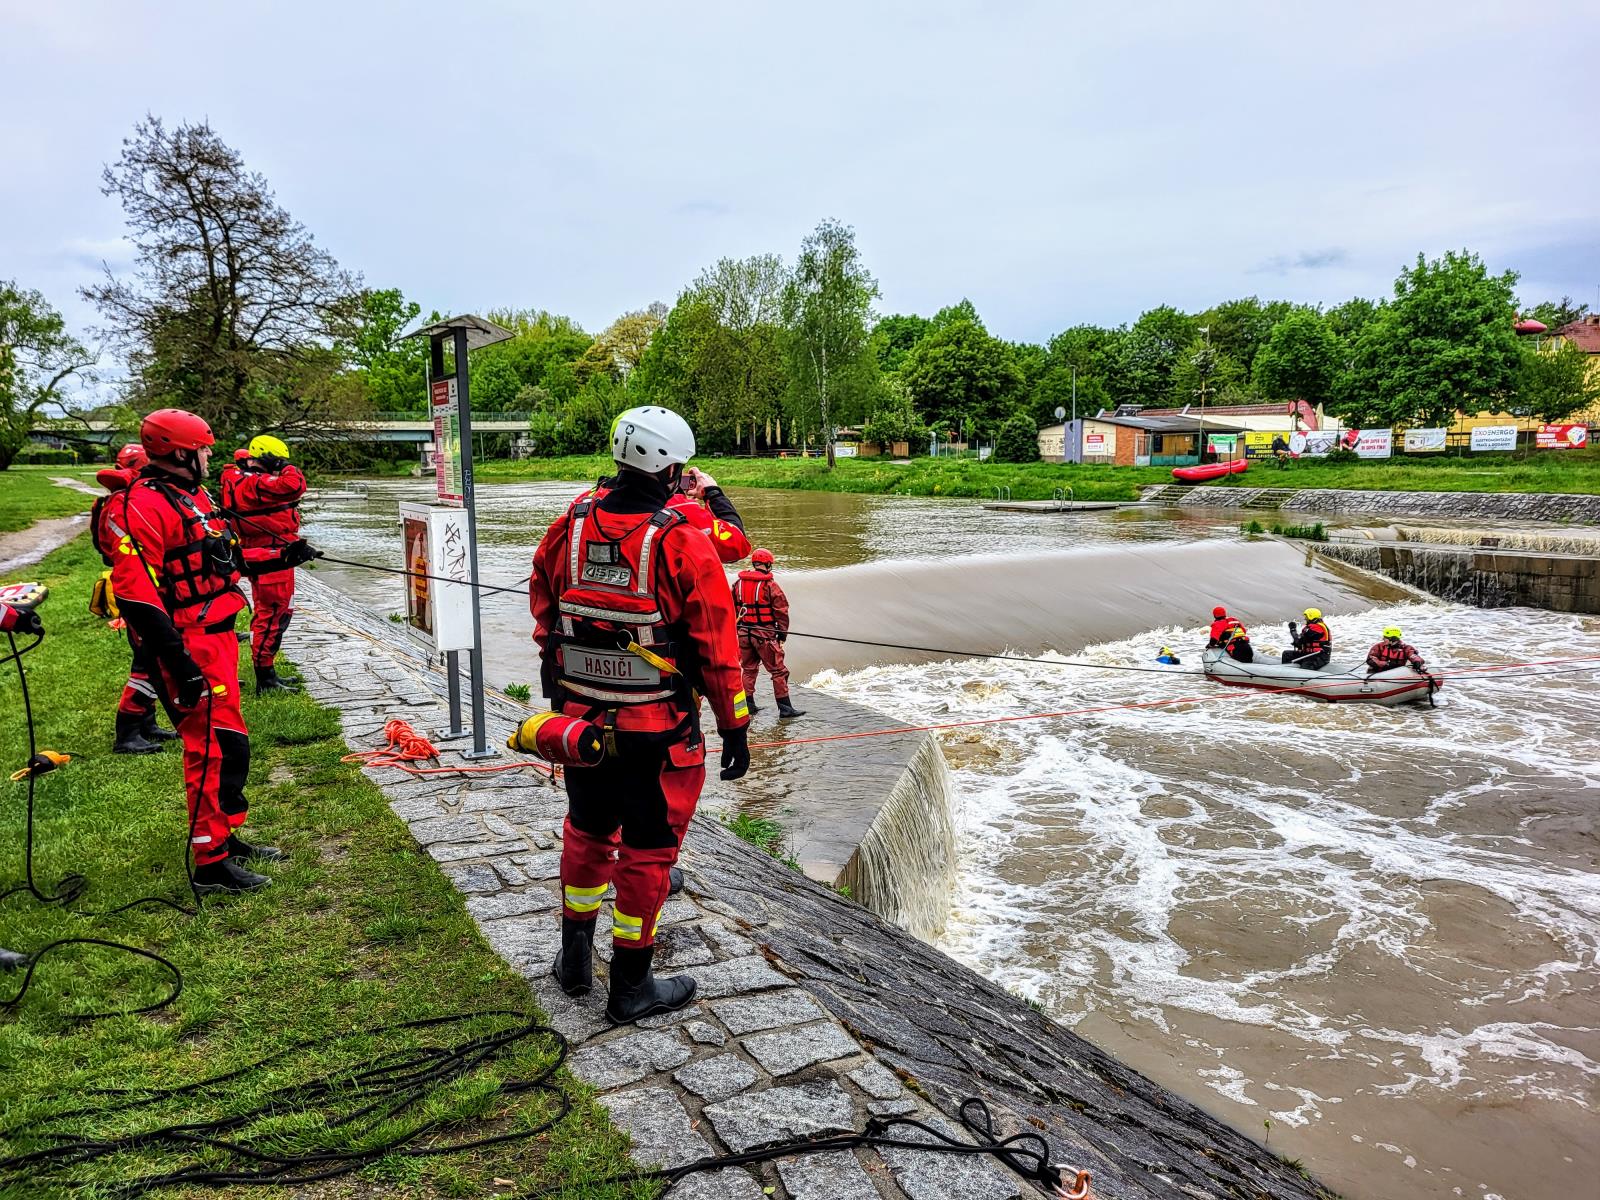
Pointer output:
x,y
634,622
763,628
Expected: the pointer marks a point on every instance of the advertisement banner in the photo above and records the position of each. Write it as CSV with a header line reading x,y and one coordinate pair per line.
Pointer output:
x,y
1561,437
1424,441
1314,444
1371,443
1098,445
1494,437
1224,444
1258,443
447,440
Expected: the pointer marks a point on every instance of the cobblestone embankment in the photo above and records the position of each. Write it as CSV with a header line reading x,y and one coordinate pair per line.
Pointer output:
x,y
1484,506
814,1013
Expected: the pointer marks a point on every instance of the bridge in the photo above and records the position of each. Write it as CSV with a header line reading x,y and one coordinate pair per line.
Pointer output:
x,y
380,427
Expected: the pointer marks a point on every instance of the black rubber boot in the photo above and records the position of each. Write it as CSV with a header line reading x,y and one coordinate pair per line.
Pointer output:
x,y
153,732
268,683
130,736
10,960
675,878
574,966
228,876
636,992
245,852
752,706
787,710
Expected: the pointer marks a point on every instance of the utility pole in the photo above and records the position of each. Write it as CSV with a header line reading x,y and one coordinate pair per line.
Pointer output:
x,y
1204,375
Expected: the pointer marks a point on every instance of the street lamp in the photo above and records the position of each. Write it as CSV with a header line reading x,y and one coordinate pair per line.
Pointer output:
x,y
1204,374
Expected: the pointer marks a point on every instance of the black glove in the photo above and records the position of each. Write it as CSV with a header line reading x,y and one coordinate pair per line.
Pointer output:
x,y
735,752
190,682
271,463
783,637
299,551
1293,629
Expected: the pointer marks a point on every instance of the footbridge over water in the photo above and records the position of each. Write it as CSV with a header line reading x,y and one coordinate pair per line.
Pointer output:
x,y
378,427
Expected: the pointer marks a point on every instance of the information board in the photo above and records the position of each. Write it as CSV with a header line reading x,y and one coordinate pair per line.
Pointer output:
x,y
446,404
438,589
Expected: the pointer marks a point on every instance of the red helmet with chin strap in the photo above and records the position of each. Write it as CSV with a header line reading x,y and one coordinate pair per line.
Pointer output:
x,y
1219,612
132,457
168,431
761,557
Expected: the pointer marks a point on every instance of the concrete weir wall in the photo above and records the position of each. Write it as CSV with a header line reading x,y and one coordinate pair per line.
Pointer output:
x,y
1486,578
814,1013
1487,506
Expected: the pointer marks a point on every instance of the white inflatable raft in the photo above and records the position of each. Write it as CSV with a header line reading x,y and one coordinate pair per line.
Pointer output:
x,y
1335,682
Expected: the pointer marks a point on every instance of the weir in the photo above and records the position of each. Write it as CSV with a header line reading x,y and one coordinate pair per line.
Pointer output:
x,y
815,1014
1518,506
1484,578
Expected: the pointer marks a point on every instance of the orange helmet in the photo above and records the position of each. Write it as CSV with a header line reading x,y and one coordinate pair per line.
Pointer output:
x,y
761,556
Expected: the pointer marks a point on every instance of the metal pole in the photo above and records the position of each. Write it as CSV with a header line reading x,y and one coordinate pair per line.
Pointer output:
x,y
469,496
452,672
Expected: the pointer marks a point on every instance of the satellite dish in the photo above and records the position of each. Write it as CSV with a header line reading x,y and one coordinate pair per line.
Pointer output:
x,y
1060,412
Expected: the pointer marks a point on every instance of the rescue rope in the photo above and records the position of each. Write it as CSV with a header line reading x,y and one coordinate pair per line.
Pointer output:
x,y
404,745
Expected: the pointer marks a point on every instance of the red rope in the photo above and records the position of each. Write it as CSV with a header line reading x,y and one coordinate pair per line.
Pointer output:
x,y
405,745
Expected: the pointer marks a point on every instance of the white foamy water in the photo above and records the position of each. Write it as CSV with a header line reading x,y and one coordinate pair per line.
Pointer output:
x,y
1371,927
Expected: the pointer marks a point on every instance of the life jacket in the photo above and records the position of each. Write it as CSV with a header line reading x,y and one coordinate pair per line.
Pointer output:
x,y
204,563
1314,636
114,480
752,599
1225,629
613,646
1386,657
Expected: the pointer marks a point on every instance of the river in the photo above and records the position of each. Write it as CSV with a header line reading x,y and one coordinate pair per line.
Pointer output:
x,y
1368,936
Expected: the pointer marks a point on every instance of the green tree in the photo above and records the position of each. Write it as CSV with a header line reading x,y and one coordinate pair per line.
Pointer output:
x,y
1555,384
893,338
1444,344
951,314
1203,375
37,358
393,367
232,307
1018,441
1347,320
1556,313
1239,328
960,377
827,310
739,358
894,419
1300,360
1149,352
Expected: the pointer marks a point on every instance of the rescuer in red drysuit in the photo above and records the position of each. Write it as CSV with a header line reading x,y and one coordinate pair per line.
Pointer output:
x,y
176,573
763,628
634,623
261,492
136,728
1391,652
1221,626
708,508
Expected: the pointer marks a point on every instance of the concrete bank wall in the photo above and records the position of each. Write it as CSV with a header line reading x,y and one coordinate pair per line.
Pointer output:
x,y
1486,578
814,1013
1487,506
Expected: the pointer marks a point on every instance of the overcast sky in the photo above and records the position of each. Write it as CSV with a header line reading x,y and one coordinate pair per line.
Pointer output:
x,y
1054,162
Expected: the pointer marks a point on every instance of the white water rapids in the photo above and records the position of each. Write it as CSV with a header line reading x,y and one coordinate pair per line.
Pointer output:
x,y
1375,929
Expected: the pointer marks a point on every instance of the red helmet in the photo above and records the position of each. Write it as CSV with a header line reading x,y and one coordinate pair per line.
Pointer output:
x,y
242,454
761,556
169,430
132,457
1219,612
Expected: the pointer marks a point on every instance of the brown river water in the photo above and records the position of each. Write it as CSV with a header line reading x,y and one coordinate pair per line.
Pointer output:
x,y
1367,936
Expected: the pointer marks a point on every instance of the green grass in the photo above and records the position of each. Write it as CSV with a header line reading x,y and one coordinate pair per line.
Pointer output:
x,y
27,495
359,929
1533,471
764,834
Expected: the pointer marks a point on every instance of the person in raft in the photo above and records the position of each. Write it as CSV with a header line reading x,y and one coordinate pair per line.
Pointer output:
x,y
1391,652
1313,642
1230,635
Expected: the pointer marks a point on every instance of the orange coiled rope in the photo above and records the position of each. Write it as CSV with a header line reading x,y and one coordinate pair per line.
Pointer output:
x,y
404,745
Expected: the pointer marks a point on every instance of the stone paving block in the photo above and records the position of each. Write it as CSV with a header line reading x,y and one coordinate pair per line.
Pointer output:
x,y
780,1113
717,1078
662,1020
730,1183
835,1176
754,1013
418,808
725,941
474,877
511,904
931,1176
528,943
576,1020
455,852
752,974
498,825
788,1050
659,1127
704,1034
903,1107
877,1081
681,947
458,827
544,865
508,870
628,1059
545,840
679,911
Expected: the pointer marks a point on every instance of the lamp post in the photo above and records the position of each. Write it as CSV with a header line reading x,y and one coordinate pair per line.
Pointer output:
x,y
1204,375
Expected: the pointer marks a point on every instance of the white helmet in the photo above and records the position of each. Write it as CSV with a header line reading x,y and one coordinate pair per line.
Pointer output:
x,y
651,439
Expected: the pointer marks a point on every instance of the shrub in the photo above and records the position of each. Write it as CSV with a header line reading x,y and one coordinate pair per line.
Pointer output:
x,y
1018,441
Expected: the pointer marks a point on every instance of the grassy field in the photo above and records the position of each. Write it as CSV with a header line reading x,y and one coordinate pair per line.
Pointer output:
x,y
27,495
359,929
1567,471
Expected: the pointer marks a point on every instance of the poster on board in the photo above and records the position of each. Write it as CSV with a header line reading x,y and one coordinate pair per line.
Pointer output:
x,y
1494,437
1561,437
1424,441
446,405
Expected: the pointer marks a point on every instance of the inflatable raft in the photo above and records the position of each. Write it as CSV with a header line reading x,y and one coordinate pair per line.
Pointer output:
x,y
1335,682
1209,471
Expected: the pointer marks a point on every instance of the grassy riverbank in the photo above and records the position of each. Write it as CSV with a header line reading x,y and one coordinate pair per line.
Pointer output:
x,y
1537,472
28,495
358,930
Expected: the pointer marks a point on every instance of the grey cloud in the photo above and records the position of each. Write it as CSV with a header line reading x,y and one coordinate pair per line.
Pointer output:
x,y
1306,260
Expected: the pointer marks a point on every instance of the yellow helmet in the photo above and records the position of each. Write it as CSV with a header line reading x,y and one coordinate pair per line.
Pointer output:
x,y
1313,614
264,444
1392,632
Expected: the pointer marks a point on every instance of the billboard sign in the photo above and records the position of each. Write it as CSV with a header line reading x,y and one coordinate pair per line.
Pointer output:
x,y
1314,444
1561,437
1424,441
446,408
1372,443
1494,437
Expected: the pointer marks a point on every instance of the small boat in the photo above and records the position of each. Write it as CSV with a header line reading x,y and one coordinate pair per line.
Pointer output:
x,y
1209,471
1335,682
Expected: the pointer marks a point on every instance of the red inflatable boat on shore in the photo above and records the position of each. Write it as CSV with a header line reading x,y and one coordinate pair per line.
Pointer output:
x,y
1209,471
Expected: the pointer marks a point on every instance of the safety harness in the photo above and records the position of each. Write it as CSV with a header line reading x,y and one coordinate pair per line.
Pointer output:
x,y
205,563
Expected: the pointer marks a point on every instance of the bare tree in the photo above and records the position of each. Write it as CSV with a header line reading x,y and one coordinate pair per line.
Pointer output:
x,y
232,307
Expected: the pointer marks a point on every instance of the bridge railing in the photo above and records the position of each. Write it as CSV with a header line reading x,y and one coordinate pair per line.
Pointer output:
x,y
384,418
